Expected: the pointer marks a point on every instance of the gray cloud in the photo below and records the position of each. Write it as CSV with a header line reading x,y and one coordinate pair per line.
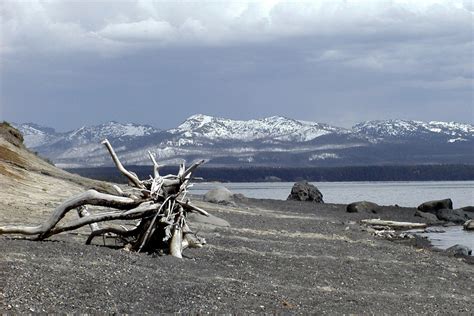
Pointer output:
x,y
67,64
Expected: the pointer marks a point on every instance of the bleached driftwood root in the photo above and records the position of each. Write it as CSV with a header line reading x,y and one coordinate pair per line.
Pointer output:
x,y
393,224
157,203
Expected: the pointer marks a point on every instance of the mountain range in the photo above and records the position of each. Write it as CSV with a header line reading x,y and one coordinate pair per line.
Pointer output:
x,y
271,142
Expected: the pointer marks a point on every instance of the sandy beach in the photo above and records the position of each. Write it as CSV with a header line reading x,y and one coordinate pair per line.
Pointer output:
x,y
276,256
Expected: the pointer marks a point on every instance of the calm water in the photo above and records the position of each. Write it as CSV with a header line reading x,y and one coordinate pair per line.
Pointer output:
x,y
383,193
452,236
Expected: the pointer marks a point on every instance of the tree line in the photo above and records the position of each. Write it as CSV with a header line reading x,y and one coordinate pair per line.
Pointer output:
x,y
261,174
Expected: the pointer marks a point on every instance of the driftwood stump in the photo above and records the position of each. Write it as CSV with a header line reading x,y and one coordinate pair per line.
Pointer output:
x,y
159,204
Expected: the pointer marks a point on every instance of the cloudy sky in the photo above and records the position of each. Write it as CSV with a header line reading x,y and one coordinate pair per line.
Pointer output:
x,y
71,63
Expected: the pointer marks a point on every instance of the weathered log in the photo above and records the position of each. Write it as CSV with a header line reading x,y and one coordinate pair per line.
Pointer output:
x,y
393,224
143,210
192,208
147,235
158,203
90,197
120,232
132,177
176,243
82,212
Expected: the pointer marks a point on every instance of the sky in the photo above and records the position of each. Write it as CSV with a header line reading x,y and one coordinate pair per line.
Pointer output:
x,y
66,64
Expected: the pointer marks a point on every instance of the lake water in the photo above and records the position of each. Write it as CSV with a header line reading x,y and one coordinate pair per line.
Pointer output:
x,y
409,194
451,236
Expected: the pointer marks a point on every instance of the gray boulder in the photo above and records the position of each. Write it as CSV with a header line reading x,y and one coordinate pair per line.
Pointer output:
x,y
459,250
468,209
433,206
362,206
219,195
457,216
239,197
469,225
429,217
304,191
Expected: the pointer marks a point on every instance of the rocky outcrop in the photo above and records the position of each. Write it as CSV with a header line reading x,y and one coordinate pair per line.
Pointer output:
x,y
433,206
304,191
11,134
362,206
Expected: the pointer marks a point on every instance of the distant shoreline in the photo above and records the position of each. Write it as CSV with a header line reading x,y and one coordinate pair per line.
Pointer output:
x,y
459,172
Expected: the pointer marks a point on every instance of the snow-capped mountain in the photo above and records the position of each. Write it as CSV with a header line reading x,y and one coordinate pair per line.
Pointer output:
x,y
38,136
271,128
111,130
415,129
272,141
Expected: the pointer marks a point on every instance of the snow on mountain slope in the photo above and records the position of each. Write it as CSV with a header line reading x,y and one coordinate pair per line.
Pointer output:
x,y
273,140
110,130
275,127
36,135
405,128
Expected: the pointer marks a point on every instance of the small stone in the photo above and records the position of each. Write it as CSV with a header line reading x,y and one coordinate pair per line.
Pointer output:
x,y
469,225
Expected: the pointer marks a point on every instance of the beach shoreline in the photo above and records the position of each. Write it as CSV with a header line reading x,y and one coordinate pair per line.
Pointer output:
x,y
276,256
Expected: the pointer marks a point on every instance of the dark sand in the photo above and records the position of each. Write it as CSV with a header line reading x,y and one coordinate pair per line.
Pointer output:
x,y
277,256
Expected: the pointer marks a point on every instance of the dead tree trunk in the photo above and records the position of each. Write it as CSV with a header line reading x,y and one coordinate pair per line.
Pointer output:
x,y
158,203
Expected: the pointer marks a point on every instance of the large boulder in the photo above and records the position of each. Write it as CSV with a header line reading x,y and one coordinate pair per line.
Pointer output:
x,y
468,209
304,191
459,250
362,206
457,216
219,195
433,206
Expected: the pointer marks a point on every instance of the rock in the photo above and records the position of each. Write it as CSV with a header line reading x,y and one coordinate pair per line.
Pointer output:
x,y
434,230
469,225
468,209
429,217
11,134
459,250
362,206
209,220
304,191
433,206
457,216
271,179
239,197
219,195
